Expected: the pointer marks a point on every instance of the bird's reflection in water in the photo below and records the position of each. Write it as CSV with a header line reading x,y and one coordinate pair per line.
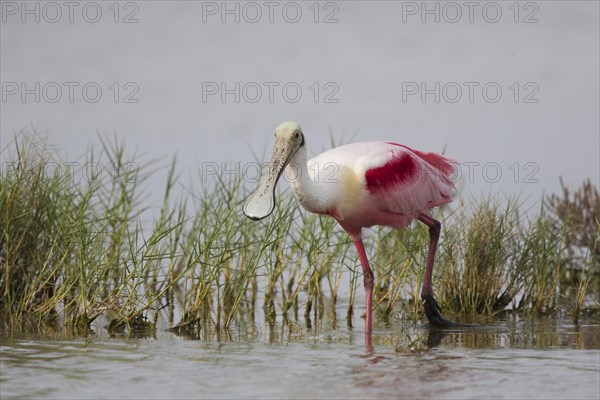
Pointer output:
x,y
434,337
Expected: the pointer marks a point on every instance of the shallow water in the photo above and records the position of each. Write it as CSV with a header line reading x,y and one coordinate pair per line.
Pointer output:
x,y
542,358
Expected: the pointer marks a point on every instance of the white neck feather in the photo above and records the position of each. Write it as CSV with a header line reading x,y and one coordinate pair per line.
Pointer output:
x,y
305,189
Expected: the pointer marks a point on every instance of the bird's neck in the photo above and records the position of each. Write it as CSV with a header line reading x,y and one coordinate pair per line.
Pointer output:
x,y
302,183
297,170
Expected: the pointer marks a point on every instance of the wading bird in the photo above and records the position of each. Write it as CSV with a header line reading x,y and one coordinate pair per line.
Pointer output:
x,y
362,185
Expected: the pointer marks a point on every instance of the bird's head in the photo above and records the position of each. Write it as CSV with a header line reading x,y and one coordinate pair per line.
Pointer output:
x,y
290,132
288,140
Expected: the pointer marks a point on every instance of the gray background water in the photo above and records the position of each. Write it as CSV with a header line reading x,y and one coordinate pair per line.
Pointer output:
x,y
366,59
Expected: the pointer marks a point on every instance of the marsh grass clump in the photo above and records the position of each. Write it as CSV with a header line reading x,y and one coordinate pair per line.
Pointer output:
x,y
33,203
68,236
577,214
495,260
485,258
77,243
481,273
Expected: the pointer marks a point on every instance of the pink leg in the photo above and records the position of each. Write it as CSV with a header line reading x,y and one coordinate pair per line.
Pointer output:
x,y
368,282
432,309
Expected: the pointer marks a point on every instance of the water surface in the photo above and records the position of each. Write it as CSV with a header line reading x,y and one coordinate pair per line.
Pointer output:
x,y
534,359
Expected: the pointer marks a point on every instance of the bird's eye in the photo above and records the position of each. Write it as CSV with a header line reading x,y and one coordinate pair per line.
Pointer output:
x,y
296,135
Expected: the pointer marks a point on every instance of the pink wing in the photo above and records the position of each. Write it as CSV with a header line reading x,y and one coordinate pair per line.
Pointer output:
x,y
407,181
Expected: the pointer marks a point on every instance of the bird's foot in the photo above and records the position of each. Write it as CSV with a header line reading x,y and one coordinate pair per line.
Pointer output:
x,y
432,311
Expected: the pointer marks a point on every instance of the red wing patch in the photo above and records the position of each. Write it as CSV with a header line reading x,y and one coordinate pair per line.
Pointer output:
x,y
437,161
396,171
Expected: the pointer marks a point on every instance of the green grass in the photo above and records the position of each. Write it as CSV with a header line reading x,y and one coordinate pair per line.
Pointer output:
x,y
76,246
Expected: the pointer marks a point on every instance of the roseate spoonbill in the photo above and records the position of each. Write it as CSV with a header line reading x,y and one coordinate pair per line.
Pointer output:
x,y
375,183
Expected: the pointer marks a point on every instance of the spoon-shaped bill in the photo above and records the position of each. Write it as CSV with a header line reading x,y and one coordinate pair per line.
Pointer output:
x,y
262,201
